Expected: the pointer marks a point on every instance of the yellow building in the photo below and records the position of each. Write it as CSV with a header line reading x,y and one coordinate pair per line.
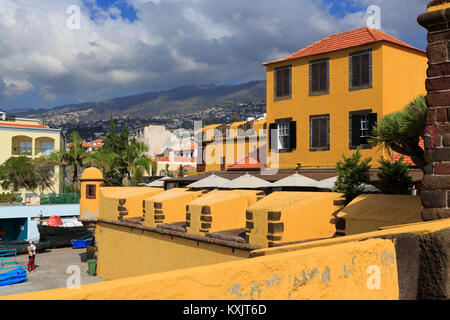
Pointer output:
x,y
228,148
323,100
32,139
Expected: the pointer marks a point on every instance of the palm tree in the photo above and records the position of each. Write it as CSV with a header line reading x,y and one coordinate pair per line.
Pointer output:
x,y
72,158
135,161
401,131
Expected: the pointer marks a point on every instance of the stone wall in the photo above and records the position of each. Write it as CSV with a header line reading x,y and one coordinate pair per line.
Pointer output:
x,y
437,134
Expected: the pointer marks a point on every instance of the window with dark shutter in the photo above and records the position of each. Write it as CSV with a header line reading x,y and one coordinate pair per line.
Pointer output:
x,y
361,125
319,132
273,136
91,191
360,72
283,83
319,77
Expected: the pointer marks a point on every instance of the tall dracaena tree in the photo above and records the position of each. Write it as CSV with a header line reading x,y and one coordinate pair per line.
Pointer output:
x,y
72,158
400,131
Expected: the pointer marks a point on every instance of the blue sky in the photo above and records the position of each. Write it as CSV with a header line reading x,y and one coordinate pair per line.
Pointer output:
x,y
123,47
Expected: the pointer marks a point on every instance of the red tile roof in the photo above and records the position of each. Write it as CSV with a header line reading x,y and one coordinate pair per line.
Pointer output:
x,y
406,159
251,160
191,147
19,125
175,159
344,40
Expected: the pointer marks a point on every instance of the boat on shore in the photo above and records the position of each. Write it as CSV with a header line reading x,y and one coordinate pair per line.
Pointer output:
x,y
61,234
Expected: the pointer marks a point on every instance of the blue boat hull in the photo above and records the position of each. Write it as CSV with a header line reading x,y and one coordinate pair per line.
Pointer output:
x,y
14,276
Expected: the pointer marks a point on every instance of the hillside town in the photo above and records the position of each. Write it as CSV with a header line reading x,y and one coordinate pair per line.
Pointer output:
x,y
336,187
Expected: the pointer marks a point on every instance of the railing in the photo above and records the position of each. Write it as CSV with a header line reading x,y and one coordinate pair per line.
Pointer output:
x,y
22,152
60,198
8,256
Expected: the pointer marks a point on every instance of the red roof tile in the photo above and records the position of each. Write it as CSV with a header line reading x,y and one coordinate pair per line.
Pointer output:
x,y
344,40
406,159
251,160
19,125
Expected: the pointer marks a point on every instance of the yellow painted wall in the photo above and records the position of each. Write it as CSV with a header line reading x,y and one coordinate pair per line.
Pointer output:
x,y
111,196
404,74
124,253
171,204
89,208
414,228
303,216
387,94
35,136
220,210
370,212
335,272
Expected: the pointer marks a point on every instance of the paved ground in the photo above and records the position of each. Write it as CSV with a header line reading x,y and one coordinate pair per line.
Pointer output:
x,y
51,271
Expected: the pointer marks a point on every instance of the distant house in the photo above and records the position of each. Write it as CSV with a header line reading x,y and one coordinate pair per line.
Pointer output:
x,y
323,100
30,138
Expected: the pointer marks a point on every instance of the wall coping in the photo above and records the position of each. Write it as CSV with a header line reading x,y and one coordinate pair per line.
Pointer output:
x,y
209,240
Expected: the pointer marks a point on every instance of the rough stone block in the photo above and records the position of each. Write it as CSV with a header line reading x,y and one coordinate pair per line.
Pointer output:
x,y
446,140
436,182
439,36
441,154
437,84
427,142
430,214
430,116
407,253
442,168
438,70
441,99
434,199
437,52
434,266
441,114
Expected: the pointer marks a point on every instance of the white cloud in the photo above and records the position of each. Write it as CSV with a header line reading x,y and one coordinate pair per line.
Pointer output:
x,y
172,43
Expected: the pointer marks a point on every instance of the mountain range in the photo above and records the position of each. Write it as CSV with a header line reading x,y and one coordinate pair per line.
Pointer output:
x,y
182,100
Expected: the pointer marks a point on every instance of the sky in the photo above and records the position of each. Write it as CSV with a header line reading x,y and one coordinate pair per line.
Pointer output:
x,y
70,51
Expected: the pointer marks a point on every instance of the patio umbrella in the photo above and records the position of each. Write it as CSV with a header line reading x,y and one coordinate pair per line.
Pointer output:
x,y
157,183
247,181
296,180
329,184
211,181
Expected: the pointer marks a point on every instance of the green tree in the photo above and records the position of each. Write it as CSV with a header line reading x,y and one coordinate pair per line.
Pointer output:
x,y
44,169
168,172
394,177
135,161
72,158
180,171
352,174
400,131
17,173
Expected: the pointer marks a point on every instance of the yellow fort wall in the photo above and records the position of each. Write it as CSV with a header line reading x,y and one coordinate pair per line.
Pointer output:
x,y
125,252
118,203
343,271
292,216
168,206
370,212
278,274
220,210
